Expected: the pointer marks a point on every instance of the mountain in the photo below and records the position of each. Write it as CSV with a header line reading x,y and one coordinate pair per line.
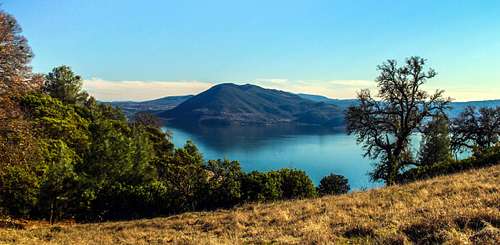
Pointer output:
x,y
161,104
229,103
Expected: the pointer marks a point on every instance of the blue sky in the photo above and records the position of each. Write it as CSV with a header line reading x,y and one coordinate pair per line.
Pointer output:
x,y
147,49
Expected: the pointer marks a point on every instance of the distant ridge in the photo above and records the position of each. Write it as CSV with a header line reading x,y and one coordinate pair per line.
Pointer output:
x,y
228,103
250,104
156,105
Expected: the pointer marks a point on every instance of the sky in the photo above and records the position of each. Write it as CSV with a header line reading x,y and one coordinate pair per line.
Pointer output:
x,y
139,50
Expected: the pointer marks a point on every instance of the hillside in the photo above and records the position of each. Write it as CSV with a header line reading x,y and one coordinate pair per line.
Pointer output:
x,y
226,104
161,104
459,209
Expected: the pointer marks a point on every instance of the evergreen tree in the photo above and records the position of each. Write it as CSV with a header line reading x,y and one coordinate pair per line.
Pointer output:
x,y
435,146
65,85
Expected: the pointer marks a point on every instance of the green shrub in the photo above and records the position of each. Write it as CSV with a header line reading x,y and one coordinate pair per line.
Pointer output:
x,y
19,190
275,185
257,187
333,184
294,183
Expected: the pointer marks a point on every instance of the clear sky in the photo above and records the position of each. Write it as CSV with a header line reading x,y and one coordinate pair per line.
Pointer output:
x,y
147,49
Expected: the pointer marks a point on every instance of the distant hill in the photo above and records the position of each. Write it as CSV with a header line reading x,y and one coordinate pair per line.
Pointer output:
x,y
250,104
161,104
342,103
457,107
228,103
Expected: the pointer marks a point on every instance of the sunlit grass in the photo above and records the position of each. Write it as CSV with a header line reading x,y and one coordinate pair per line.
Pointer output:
x,y
459,209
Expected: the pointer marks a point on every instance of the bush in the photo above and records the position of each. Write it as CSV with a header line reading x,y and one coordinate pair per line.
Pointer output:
x,y
19,188
257,186
294,183
333,184
275,185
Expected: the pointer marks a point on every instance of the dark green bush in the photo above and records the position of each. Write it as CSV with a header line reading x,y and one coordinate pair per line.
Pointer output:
x,y
294,183
333,184
257,186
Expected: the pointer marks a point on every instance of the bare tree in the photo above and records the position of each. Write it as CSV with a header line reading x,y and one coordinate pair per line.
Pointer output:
x,y
15,80
475,129
384,124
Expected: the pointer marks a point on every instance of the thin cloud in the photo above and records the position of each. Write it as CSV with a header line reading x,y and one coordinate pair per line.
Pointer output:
x,y
141,90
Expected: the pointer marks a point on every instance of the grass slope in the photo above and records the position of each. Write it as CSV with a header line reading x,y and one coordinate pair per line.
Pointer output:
x,y
459,209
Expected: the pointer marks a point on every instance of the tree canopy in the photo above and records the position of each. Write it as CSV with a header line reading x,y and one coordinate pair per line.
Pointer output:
x,y
384,124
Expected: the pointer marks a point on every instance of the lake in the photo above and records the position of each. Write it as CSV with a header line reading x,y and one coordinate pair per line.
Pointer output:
x,y
317,151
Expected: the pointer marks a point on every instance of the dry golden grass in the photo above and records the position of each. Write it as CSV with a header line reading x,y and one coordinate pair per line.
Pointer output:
x,y
456,209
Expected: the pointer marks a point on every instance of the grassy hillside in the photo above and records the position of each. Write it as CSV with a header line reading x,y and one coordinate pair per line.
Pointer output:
x,y
461,208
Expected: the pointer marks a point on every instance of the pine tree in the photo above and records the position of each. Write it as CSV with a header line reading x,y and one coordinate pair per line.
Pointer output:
x,y
435,146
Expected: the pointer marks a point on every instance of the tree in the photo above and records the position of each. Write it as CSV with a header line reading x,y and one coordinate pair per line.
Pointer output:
x,y
146,119
476,130
333,184
224,185
65,85
161,141
16,141
59,180
435,145
186,177
384,124
15,55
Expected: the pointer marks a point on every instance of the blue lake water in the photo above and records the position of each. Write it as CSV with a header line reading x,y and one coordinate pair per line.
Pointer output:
x,y
317,151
